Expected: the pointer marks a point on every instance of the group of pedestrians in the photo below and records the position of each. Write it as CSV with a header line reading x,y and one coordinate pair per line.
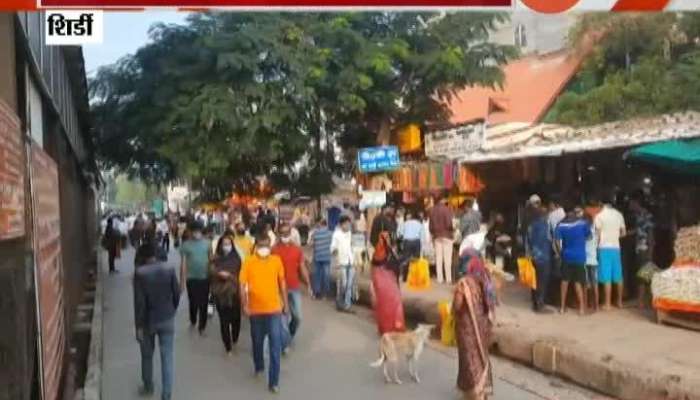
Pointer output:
x,y
583,245
262,278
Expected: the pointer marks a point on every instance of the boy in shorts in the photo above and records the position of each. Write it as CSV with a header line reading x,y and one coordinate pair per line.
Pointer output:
x,y
591,295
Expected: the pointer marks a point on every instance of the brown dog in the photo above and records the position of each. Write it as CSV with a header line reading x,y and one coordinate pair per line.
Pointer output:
x,y
408,344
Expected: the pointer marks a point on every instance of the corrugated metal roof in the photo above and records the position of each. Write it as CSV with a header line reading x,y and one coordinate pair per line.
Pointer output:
x,y
509,141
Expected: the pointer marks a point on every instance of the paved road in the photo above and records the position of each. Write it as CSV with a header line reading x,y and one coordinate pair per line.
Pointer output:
x,y
330,360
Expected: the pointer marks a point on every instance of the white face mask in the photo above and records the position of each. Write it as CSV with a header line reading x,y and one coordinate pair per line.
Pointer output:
x,y
226,248
263,252
197,235
286,239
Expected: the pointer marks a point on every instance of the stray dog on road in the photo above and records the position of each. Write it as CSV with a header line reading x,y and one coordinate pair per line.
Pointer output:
x,y
409,344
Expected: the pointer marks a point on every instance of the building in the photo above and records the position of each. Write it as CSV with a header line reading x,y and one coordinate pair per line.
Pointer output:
x,y
47,211
535,33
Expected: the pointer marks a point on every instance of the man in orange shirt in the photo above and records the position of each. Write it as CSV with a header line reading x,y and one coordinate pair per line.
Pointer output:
x,y
264,299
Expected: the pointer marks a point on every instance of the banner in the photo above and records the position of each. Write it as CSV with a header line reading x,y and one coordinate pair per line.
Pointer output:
x,y
454,143
49,269
12,171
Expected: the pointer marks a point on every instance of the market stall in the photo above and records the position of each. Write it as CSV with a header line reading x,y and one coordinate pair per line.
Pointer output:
x,y
676,291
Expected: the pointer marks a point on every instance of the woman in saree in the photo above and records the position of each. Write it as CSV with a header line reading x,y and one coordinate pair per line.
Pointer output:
x,y
473,308
384,290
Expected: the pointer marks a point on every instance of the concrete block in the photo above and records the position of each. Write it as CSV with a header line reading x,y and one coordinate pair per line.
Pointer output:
x,y
544,356
513,343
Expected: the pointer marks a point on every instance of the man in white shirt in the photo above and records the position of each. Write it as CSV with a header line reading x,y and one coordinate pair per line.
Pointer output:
x,y
475,241
296,236
609,227
341,248
556,215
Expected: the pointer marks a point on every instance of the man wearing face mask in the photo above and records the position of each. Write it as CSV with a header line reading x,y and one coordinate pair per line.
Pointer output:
x,y
341,247
194,268
295,272
264,299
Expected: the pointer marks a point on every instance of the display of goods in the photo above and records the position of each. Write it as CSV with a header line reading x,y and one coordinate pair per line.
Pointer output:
x,y
688,244
679,284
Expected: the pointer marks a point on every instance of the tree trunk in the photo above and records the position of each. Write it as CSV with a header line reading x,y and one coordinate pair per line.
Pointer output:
x,y
384,134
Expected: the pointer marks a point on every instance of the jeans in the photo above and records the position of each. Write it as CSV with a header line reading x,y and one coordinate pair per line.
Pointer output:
x,y
346,280
291,321
166,337
111,256
543,269
230,322
294,297
321,281
198,297
411,250
269,325
166,242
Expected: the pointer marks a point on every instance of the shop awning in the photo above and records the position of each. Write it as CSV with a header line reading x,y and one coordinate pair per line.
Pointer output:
x,y
676,155
511,141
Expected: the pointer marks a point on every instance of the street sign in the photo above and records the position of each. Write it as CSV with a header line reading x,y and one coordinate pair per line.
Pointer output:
x,y
377,159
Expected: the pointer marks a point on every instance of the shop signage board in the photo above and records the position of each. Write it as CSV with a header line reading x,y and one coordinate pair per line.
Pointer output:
x,y
49,268
372,199
12,174
454,143
378,159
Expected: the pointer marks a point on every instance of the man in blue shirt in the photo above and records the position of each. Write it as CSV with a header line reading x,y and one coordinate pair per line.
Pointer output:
x,y
570,240
539,248
320,241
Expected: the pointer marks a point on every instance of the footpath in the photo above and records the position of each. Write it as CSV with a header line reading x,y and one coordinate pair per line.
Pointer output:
x,y
621,353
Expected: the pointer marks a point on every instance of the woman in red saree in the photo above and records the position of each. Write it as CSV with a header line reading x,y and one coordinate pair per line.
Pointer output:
x,y
384,291
473,307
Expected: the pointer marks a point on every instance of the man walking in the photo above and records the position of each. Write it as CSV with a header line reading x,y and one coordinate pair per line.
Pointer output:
x,y
156,297
195,254
264,299
441,228
320,242
341,247
294,272
610,226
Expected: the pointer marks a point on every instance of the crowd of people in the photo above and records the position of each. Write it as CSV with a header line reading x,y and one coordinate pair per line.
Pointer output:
x,y
242,263
254,264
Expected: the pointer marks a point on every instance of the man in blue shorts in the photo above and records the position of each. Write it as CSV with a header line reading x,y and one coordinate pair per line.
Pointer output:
x,y
610,226
570,242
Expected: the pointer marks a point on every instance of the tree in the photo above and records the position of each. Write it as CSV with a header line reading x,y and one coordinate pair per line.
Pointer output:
x,y
644,65
230,96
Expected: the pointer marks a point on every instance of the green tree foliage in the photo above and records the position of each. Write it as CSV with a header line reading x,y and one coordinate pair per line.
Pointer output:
x,y
132,193
231,96
644,65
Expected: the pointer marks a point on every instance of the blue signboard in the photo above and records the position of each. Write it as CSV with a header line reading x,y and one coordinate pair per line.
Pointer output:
x,y
376,159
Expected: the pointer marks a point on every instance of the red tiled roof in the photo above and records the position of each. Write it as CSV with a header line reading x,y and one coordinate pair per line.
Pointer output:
x,y
531,86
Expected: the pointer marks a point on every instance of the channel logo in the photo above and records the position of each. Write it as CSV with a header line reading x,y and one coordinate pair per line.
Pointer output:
x,y
559,6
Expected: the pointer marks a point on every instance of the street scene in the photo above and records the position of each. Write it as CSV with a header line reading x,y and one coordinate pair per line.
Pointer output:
x,y
377,204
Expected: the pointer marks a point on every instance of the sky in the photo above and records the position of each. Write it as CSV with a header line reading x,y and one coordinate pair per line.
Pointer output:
x,y
124,33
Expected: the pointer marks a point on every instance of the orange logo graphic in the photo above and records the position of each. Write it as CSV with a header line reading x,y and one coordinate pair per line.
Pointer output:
x,y
550,6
